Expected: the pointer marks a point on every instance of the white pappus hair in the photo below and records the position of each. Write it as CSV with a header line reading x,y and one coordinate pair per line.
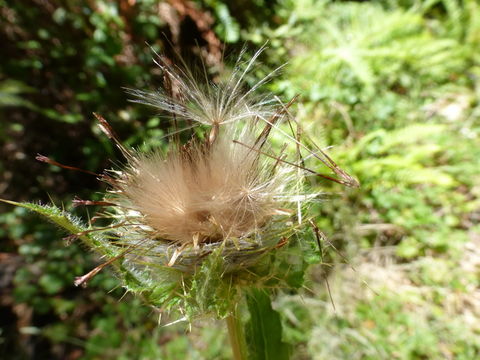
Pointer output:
x,y
207,193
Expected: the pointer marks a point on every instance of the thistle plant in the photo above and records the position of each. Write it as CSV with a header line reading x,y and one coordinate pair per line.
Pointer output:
x,y
194,228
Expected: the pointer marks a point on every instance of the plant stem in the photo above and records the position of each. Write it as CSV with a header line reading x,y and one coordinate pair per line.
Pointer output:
x,y
235,335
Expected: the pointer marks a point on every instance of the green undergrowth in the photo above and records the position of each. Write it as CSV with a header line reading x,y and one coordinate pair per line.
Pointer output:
x,y
395,90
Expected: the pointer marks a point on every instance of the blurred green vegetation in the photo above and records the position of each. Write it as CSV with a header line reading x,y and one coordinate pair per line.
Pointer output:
x,y
392,85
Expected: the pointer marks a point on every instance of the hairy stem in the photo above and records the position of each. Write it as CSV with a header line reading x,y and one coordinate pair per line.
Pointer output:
x,y
236,336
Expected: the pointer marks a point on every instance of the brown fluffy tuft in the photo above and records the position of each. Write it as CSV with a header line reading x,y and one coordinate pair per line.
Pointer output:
x,y
205,193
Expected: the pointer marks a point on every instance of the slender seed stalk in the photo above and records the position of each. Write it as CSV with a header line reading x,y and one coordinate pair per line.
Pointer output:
x,y
235,335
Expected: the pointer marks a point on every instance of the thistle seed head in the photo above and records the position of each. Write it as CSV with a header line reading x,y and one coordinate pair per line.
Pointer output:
x,y
192,224
205,193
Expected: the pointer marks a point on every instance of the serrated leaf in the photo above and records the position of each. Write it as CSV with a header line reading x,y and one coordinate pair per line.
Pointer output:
x,y
69,223
74,226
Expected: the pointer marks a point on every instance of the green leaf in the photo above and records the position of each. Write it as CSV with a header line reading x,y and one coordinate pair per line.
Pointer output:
x,y
264,329
11,91
211,290
229,29
69,223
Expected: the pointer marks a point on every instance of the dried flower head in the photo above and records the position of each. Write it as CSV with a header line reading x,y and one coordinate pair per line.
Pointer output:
x,y
204,193
222,210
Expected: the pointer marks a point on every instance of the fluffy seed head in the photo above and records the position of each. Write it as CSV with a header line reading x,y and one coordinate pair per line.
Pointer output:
x,y
214,188
192,225
205,193
195,223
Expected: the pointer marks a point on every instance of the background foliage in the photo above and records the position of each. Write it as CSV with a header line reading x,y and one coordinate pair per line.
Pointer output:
x,y
392,85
